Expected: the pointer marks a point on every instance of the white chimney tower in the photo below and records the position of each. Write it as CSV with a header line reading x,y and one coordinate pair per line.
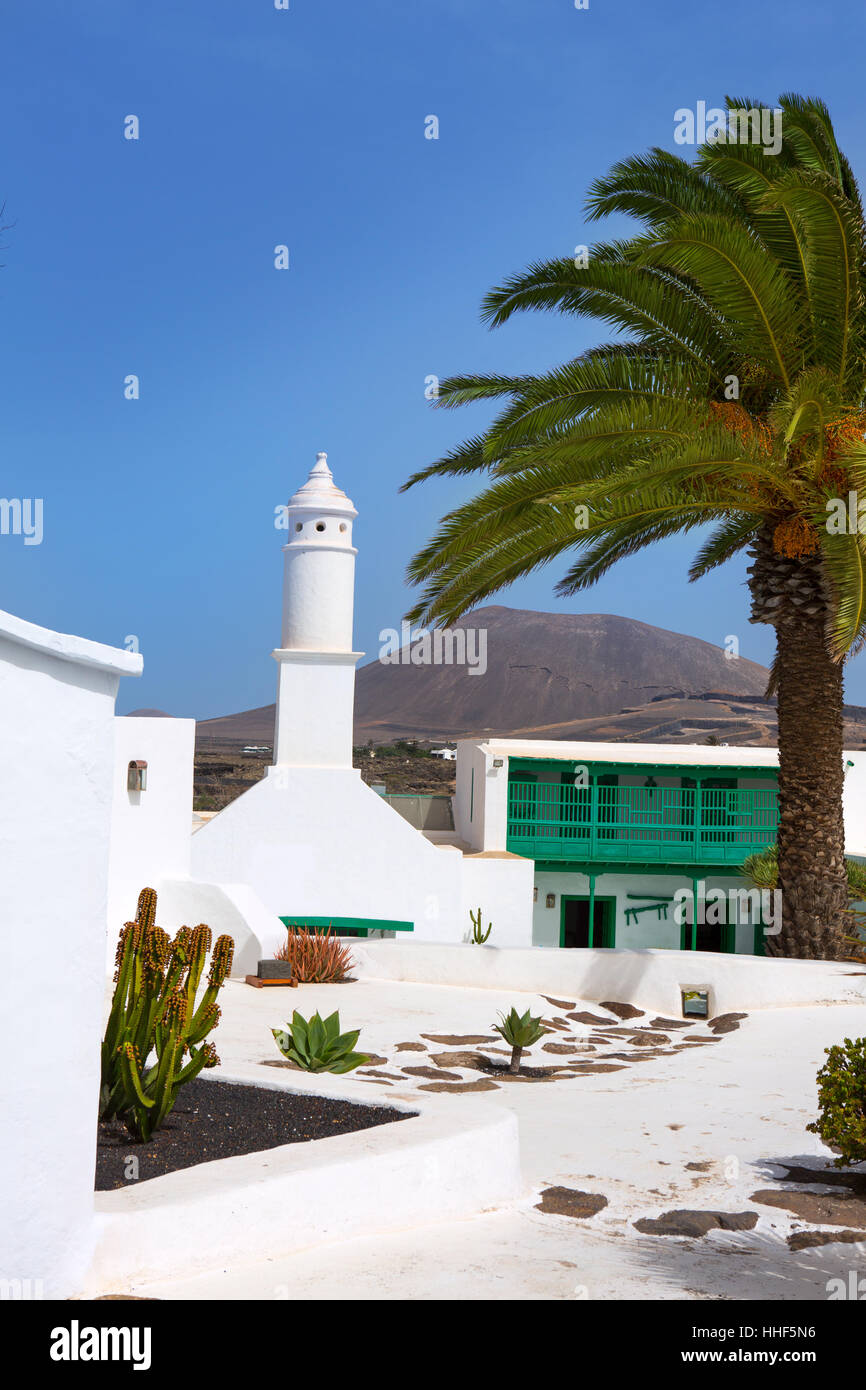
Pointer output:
x,y
316,684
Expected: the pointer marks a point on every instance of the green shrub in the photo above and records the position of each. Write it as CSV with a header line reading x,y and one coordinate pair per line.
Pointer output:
x,y
841,1121
519,1031
153,1011
318,1045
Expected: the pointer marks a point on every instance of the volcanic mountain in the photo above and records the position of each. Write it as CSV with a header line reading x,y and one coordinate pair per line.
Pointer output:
x,y
546,674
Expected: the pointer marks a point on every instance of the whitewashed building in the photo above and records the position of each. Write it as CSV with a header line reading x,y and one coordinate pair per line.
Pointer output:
x,y
561,845
620,835
312,840
57,696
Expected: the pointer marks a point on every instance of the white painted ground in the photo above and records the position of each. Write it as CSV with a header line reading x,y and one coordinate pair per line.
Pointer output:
x,y
738,1103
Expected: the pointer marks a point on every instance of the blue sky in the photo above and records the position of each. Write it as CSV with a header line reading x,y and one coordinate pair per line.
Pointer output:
x,y
306,127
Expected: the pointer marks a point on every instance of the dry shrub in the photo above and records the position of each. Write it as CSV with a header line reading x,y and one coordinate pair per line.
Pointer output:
x,y
316,957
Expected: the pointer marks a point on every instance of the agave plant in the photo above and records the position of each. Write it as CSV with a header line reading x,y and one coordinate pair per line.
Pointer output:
x,y
318,1044
732,398
519,1031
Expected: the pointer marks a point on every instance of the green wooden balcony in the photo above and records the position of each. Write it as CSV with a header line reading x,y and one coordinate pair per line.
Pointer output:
x,y
699,825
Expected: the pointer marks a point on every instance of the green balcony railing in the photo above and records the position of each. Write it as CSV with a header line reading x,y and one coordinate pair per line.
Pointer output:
x,y
673,824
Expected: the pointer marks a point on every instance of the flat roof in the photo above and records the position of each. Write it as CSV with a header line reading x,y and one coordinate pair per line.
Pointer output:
x,y
676,754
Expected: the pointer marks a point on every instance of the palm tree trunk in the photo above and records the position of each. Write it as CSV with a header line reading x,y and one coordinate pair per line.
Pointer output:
x,y
514,1065
812,876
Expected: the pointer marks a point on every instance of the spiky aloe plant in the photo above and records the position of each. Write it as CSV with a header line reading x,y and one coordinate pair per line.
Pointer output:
x,y
154,1016
316,957
519,1031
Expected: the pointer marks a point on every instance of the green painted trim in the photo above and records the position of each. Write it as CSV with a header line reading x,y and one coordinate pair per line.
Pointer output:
x,y
608,926
343,925
628,868
696,770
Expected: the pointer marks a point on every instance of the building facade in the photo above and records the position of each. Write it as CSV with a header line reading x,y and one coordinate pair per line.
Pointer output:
x,y
634,845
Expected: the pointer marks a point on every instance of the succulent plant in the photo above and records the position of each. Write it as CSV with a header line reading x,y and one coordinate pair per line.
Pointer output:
x,y
316,957
519,1031
478,937
318,1045
154,1015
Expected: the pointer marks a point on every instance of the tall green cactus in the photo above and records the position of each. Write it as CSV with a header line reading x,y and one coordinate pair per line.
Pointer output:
x,y
478,937
154,1011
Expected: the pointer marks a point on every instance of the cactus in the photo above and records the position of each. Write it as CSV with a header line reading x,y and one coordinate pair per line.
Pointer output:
x,y
478,937
154,1014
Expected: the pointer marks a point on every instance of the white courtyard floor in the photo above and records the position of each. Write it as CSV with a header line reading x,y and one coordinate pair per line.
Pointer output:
x,y
737,1106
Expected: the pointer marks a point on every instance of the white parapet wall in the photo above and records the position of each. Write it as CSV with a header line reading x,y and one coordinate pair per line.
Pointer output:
x,y
57,697
150,829
649,979
438,1166
230,909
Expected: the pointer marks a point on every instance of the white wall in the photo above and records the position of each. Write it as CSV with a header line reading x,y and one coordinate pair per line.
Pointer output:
x,y
318,841
653,980
150,830
854,804
468,803
230,909
502,888
649,930
56,731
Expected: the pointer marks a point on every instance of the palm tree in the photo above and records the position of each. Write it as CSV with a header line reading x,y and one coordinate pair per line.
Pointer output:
x,y
734,395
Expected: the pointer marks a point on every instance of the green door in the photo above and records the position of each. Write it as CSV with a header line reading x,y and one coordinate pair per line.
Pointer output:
x,y
574,927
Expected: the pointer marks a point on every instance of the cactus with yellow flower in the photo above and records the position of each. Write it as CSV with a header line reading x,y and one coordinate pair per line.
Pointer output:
x,y
155,1036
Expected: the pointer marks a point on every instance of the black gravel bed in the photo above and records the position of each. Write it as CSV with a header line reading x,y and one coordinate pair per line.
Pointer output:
x,y
214,1119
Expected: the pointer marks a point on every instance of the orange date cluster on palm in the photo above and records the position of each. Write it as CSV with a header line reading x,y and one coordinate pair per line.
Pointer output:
x,y
734,417
795,538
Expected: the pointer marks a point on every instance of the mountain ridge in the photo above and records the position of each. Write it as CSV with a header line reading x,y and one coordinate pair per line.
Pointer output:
x,y
544,671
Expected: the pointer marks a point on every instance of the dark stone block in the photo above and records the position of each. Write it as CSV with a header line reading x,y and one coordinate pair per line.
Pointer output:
x,y
274,970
